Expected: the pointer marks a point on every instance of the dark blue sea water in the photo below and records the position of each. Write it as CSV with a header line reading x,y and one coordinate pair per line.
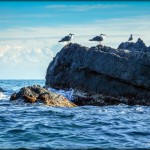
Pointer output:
x,y
35,126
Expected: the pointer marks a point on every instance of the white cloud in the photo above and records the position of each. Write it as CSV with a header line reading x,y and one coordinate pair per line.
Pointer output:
x,y
25,53
82,7
26,59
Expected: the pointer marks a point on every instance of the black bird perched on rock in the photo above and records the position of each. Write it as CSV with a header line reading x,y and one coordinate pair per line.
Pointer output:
x,y
67,38
99,38
130,38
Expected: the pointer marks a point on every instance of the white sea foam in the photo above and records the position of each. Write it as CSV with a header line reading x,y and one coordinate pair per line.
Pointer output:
x,y
3,96
139,109
68,94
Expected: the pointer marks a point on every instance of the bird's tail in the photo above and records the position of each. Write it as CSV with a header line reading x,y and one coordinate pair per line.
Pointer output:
x,y
60,41
90,39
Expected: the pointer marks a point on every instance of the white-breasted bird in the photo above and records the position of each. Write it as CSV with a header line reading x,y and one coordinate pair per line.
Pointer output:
x,y
67,38
130,38
99,38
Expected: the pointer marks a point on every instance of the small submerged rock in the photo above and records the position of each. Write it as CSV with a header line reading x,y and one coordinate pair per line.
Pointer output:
x,y
36,93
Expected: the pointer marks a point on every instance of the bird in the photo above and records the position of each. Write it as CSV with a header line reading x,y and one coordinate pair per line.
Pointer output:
x,y
130,38
67,38
99,38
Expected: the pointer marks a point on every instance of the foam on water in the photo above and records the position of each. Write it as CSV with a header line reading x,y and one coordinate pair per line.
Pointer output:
x,y
3,96
68,94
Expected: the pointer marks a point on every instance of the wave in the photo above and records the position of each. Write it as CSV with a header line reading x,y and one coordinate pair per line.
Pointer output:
x,y
68,94
3,96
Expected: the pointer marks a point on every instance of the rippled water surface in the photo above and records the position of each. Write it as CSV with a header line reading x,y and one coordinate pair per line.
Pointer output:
x,y
38,126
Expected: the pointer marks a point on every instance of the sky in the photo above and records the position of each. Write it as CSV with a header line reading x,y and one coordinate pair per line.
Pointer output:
x,y
30,31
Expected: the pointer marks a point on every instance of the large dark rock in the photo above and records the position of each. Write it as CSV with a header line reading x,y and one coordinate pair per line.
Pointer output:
x,y
35,93
115,73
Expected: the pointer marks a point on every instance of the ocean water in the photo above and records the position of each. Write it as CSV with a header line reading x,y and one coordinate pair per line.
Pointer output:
x,y
36,126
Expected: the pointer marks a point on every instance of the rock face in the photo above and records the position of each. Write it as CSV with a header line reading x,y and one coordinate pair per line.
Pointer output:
x,y
117,74
138,46
35,93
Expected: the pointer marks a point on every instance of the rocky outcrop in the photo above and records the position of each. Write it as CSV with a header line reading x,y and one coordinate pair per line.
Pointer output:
x,y
1,90
36,93
81,98
138,46
120,75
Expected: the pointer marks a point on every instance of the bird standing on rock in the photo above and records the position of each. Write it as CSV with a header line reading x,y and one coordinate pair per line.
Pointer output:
x,y
99,38
130,38
67,38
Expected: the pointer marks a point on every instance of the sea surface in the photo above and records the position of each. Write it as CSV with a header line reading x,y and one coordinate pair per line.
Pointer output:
x,y
36,126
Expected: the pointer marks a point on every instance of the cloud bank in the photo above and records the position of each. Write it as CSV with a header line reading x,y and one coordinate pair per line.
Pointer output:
x,y
30,49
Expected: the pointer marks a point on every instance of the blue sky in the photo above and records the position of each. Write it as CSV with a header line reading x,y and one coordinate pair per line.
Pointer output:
x,y
56,13
29,31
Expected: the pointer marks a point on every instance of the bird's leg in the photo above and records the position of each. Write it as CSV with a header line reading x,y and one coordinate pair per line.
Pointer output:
x,y
100,43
